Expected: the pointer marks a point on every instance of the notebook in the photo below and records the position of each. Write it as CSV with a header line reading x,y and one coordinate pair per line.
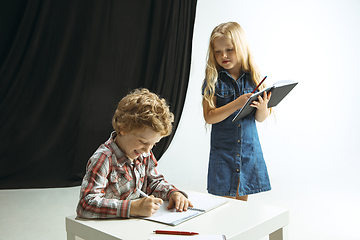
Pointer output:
x,y
202,203
278,90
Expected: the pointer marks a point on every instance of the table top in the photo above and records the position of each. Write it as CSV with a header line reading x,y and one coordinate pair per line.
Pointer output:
x,y
235,219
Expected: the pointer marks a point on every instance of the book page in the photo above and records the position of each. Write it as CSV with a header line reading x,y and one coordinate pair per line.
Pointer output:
x,y
171,216
201,203
206,202
283,82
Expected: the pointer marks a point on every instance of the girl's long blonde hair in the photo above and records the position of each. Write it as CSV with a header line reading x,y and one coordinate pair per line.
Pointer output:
x,y
236,34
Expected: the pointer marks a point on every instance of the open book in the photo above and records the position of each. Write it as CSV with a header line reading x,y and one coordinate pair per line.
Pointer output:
x,y
278,91
202,203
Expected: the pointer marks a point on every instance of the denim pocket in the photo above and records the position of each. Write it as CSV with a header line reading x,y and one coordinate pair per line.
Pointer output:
x,y
224,97
248,90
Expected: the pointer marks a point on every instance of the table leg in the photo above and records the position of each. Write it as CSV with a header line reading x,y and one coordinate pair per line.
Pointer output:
x,y
70,236
280,234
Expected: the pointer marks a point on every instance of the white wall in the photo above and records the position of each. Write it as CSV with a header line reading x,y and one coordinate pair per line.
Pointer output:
x,y
311,145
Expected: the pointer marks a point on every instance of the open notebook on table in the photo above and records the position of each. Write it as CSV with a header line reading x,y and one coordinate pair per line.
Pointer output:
x,y
202,203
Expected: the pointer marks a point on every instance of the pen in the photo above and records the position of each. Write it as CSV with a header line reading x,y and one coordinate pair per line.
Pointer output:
x,y
175,232
259,84
145,195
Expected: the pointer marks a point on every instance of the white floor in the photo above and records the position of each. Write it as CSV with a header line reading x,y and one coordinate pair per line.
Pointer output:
x,y
40,213
36,213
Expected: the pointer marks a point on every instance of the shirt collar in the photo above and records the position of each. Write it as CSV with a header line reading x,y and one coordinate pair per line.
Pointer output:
x,y
223,70
120,156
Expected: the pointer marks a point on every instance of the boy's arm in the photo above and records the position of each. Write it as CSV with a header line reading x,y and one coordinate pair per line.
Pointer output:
x,y
158,187
156,183
93,203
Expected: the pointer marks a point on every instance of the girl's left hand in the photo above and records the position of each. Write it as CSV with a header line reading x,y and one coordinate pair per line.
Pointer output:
x,y
179,202
262,103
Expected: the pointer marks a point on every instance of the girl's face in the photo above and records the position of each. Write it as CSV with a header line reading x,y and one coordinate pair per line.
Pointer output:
x,y
136,142
225,55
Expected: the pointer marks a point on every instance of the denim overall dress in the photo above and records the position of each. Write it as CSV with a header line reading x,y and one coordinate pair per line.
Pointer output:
x,y
236,160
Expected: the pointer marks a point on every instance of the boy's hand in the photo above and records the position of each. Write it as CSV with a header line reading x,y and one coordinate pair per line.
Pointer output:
x,y
145,207
179,202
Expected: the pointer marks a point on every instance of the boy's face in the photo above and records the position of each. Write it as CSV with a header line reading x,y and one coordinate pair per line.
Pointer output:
x,y
136,142
225,55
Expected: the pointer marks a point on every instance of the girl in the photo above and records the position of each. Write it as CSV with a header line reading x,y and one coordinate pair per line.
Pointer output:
x,y
236,165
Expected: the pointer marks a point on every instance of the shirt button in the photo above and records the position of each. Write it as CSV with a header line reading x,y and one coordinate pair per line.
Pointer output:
x,y
238,125
238,140
238,155
237,170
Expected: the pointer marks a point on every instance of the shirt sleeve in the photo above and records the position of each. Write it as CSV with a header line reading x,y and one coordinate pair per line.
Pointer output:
x,y
157,185
92,203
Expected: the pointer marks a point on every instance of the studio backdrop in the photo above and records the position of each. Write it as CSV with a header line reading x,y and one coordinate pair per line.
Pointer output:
x,y
64,66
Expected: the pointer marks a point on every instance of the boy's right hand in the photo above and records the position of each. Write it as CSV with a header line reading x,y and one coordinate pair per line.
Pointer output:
x,y
145,207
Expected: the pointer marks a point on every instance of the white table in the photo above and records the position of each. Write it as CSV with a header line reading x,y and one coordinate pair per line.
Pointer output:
x,y
236,220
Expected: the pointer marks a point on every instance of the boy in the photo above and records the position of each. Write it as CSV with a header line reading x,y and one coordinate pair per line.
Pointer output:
x,y
125,164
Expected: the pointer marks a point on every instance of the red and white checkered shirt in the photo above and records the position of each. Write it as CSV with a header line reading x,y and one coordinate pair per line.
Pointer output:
x,y
111,182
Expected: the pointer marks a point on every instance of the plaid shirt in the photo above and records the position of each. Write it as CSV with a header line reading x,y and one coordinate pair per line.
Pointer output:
x,y
111,182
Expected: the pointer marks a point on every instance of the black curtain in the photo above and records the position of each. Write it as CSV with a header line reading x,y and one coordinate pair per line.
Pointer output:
x,y
64,66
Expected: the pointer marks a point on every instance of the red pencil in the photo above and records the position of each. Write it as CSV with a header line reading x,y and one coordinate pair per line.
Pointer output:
x,y
259,84
175,232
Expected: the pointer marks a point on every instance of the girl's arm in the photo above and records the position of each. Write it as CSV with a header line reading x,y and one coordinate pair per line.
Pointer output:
x,y
215,115
262,111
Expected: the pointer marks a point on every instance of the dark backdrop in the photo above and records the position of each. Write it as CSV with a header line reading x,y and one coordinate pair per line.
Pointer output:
x,y
64,66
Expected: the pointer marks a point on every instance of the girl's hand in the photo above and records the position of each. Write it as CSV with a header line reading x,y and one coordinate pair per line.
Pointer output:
x,y
145,207
179,202
243,99
215,115
262,111
262,104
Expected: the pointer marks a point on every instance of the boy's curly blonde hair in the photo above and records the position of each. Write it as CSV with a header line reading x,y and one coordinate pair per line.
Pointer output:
x,y
140,109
